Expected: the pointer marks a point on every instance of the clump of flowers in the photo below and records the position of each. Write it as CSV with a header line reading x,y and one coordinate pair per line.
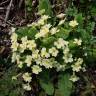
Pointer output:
x,y
47,49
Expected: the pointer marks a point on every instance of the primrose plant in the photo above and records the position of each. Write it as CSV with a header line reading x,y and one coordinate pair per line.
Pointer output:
x,y
48,44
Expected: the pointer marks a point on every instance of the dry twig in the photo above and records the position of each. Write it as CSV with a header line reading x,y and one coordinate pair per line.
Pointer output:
x,y
8,10
20,3
4,2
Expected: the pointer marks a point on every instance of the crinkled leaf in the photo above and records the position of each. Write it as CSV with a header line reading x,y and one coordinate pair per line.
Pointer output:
x,y
46,83
26,31
7,84
72,44
90,27
71,11
93,10
79,19
48,41
45,4
32,32
48,87
21,32
63,33
64,84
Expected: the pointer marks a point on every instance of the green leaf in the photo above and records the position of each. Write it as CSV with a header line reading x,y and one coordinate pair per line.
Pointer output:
x,y
93,10
26,31
21,32
63,33
48,41
64,84
79,19
94,53
86,37
72,44
71,11
48,87
45,4
46,83
8,87
82,1
32,32
90,27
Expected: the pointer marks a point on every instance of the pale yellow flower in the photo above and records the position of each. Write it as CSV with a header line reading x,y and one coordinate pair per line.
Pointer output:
x,y
73,23
53,51
61,67
40,22
41,12
43,31
35,54
77,66
61,15
28,60
38,35
23,45
68,58
17,58
83,69
60,43
61,22
78,41
26,76
31,44
54,30
13,29
45,17
14,77
66,50
85,54
14,56
20,64
38,60
47,63
33,24
24,39
14,46
74,78
79,60
44,53
36,69
27,87
14,37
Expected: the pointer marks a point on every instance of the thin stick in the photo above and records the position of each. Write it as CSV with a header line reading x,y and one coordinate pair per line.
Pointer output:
x,y
2,8
25,10
4,2
20,3
8,10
